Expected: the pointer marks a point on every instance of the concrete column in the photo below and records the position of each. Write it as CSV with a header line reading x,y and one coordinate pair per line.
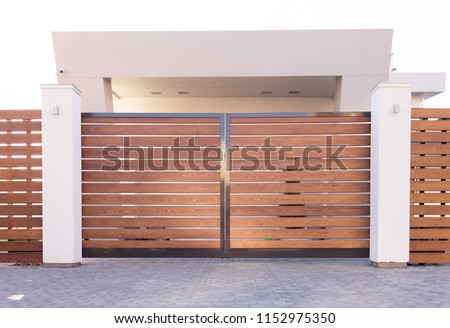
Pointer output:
x,y
390,175
61,176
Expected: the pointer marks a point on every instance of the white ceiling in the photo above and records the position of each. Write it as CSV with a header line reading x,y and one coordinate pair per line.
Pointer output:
x,y
210,87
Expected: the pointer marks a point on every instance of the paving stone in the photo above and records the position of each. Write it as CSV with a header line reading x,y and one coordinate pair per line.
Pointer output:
x,y
193,282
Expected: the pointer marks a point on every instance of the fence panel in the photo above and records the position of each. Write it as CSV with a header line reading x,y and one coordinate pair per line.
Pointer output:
x,y
20,186
430,186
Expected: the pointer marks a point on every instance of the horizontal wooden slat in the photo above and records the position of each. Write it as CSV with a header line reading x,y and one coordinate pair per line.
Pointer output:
x,y
20,126
430,209
299,243
151,199
430,222
21,234
430,136
103,141
151,210
20,198
20,246
430,198
21,257
430,149
430,125
152,176
303,152
312,164
430,113
429,258
155,152
298,233
152,233
20,174
151,244
153,222
127,129
22,114
430,173
21,162
299,129
331,140
300,222
20,186
23,138
430,185
300,176
152,165
21,209
304,119
436,161
300,199
430,233
20,222
139,187
429,245
299,187
20,150
154,120
298,210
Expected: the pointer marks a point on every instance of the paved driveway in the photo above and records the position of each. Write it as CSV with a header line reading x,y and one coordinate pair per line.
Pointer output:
x,y
189,282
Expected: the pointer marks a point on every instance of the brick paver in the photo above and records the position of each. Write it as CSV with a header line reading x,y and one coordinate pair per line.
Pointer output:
x,y
194,282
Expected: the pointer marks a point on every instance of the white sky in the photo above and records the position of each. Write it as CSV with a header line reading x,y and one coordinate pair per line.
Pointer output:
x,y
421,30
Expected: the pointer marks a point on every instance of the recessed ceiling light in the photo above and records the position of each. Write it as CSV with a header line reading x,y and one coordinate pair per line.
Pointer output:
x,y
183,92
155,93
266,92
294,92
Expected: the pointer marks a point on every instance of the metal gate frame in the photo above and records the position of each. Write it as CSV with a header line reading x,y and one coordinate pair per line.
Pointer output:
x,y
225,249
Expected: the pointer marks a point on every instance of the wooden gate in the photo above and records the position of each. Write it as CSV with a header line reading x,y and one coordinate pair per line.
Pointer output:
x,y
226,185
299,185
20,186
430,186
151,185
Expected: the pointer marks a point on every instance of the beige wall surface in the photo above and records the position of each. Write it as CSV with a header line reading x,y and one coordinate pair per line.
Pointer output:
x,y
228,53
360,58
223,105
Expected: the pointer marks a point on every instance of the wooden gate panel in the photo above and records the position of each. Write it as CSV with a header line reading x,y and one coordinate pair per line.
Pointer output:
x,y
310,195
20,186
430,187
142,195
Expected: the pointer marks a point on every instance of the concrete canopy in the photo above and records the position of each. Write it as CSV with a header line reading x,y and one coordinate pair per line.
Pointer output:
x,y
315,70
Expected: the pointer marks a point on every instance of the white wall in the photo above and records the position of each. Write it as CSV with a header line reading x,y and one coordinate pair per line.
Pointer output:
x,y
230,53
223,105
362,57
355,92
97,95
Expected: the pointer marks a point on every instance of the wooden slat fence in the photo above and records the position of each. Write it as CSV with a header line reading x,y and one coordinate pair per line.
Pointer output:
x,y
20,186
430,186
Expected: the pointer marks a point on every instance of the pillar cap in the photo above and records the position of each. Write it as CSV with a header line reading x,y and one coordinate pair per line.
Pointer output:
x,y
392,85
61,86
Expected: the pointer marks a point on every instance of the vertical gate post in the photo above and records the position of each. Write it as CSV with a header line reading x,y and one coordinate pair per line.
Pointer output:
x,y
61,176
390,175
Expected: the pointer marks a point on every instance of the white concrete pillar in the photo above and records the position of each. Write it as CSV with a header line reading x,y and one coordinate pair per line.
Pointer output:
x,y
61,176
390,175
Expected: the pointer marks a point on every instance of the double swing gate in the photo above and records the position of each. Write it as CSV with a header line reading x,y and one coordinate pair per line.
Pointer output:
x,y
256,185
